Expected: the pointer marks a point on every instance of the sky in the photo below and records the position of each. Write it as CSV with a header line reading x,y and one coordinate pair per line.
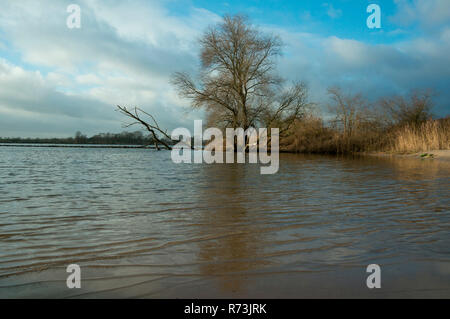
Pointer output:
x,y
55,81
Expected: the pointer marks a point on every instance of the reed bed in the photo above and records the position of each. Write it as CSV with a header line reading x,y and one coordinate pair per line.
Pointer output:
x,y
428,136
312,136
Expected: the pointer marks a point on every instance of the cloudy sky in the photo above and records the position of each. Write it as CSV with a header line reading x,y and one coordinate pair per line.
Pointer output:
x,y
55,81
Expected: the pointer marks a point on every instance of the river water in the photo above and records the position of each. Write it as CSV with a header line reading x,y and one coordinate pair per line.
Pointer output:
x,y
140,226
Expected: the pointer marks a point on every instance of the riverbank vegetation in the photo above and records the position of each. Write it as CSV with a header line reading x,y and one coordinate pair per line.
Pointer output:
x,y
428,136
394,124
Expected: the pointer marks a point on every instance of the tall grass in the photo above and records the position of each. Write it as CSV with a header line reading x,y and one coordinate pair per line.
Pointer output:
x,y
428,136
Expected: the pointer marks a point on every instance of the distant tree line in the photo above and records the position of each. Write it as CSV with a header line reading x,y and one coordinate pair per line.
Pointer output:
x,y
123,138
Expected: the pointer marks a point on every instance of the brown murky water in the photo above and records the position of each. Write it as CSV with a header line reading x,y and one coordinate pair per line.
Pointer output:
x,y
141,226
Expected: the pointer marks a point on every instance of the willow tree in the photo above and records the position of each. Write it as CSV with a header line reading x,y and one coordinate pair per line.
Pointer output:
x,y
237,83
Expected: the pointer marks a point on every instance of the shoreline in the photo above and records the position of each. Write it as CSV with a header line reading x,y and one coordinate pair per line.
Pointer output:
x,y
440,155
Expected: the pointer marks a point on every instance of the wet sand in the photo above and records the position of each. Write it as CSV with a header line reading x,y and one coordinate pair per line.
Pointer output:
x,y
440,155
164,282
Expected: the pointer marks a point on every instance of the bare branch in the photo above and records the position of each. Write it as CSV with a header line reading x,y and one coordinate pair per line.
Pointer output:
x,y
152,128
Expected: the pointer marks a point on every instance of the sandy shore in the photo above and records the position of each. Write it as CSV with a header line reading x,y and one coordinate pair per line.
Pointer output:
x,y
441,155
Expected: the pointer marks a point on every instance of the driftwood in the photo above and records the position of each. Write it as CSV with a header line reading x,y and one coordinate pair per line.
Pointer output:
x,y
153,127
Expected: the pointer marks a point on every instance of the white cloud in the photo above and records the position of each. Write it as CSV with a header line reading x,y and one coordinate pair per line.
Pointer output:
x,y
332,12
428,13
373,69
123,54
88,79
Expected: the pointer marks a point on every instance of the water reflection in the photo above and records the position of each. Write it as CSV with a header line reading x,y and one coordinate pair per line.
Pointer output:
x,y
233,253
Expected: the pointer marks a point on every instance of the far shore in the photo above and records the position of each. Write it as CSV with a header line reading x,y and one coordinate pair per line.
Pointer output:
x,y
76,145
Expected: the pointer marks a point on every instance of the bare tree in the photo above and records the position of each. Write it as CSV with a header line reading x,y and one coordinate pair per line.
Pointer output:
x,y
237,85
414,109
350,110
